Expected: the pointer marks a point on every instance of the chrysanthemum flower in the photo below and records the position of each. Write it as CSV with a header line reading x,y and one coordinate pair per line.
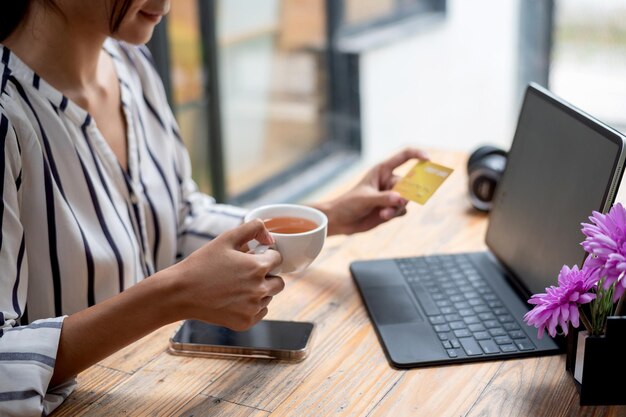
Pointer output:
x,y
559,305
606,243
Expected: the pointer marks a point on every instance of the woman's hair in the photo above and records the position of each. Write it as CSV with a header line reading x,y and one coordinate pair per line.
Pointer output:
x,y
14,11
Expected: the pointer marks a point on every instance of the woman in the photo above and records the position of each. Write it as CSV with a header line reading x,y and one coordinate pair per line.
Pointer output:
x,y
97,195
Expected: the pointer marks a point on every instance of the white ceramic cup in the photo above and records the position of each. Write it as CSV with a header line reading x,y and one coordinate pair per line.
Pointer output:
x,y
298,250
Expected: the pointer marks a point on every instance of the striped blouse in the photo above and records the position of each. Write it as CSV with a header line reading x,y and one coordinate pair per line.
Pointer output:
x,y
76,227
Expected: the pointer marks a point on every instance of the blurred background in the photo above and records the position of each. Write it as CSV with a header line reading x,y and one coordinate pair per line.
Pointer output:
x,y
277,98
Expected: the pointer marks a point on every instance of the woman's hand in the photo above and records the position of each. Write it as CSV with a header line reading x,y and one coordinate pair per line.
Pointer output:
x,y
371,202
217,283
220,284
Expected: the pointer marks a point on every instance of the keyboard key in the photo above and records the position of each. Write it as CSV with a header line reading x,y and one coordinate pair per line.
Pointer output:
x,y
482,335
494,304
489,346
424,299
499,311
441,328
452,353
491,323
524,344
438,296
443,303
457,297
505,318
481,308
470,346
462,333
503,340
508,348
475,302
461,305
448,310
443,336
455,343
437,319
517,334
471,319
490,296
455,325
497,331
487,316
510,326
478,327
447,344
471,294
452,317
466,312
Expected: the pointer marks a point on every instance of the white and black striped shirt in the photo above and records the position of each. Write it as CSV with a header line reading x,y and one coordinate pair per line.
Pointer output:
x,y
76,227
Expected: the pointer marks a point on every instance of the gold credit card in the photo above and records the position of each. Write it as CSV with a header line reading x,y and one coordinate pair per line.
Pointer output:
x,y
421,182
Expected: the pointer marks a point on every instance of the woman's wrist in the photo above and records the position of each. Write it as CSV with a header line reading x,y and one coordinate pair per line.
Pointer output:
x,y
168,292
90,335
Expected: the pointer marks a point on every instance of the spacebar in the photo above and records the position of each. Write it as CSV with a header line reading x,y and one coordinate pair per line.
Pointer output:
x,y
427,303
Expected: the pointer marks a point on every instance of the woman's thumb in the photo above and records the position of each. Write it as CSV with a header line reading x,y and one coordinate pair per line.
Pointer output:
x,y
253,230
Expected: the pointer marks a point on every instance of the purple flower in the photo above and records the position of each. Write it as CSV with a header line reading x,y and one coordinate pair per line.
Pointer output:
x,y
559,305
606,243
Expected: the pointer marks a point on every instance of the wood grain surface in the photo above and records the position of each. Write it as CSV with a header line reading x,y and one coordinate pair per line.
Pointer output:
x,y
346,372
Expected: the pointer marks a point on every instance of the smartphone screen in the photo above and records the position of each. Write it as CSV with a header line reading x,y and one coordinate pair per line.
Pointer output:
x,y
265,335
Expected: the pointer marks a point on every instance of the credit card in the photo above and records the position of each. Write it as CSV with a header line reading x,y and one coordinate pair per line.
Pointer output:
x,y
421,182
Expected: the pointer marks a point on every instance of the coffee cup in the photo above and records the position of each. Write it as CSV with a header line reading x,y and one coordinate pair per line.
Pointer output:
x,y
299,233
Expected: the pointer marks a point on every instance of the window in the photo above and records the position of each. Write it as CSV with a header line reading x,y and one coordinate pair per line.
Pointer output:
x,y
261,95
588,65
272,82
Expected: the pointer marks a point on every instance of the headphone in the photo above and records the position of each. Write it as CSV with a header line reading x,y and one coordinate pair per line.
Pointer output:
x,y
484,168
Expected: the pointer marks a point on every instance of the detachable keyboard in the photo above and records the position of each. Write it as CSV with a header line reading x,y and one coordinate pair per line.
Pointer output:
x,y
462,308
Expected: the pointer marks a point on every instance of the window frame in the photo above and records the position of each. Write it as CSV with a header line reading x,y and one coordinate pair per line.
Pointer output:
x,y
357,37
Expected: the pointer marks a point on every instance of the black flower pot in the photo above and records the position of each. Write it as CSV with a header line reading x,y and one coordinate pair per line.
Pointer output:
x,y
595,361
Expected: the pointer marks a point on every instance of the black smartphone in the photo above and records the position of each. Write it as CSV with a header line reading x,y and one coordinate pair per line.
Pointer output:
x,y
268,339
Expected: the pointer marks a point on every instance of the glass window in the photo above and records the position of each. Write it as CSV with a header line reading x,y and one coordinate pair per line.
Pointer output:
x,y
272,77
262,98
588,66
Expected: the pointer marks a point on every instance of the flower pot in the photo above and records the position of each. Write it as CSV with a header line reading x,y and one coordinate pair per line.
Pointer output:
x,y
593,361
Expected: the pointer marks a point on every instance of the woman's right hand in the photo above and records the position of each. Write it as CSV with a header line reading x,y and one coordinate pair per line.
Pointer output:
x,y
220,284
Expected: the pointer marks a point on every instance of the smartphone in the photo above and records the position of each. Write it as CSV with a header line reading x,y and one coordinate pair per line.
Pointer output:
x,y
268,339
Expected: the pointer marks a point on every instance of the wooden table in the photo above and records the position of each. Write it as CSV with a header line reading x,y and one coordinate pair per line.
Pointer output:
x,y
346,372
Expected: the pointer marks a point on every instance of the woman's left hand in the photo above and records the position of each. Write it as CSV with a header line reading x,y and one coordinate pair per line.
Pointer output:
x,y
371,202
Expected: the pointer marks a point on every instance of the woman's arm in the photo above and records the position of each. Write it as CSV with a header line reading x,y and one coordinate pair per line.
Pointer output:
x,y
217,283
